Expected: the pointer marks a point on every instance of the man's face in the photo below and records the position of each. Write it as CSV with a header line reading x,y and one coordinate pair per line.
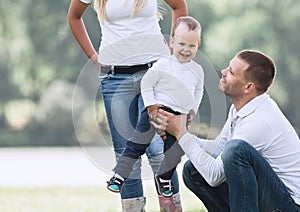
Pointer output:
x,y
233,82
185,43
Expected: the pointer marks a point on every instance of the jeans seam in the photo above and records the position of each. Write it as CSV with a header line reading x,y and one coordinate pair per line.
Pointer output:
x,y
243,182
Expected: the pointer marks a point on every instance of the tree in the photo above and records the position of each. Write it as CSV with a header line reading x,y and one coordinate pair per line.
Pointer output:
x,y
269,26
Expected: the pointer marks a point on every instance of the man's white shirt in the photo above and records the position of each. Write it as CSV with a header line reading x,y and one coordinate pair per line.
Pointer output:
x,y
260,123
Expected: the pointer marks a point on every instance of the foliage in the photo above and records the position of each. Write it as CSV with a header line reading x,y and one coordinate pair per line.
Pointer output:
x,y
269,26
37,48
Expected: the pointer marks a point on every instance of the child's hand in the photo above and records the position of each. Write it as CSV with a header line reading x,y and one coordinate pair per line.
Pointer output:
x,y
190,117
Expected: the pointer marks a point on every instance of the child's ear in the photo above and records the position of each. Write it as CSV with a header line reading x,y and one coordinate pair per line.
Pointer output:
x,y
171,45
171,42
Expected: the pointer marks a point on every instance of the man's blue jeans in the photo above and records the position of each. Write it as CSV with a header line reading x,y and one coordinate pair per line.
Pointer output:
x,y
251,183
123,104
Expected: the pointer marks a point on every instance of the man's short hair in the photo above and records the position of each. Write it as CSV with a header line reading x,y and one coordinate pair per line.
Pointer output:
x,y
261,69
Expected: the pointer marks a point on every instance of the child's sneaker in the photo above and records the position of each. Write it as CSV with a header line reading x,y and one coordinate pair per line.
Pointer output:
x,y
165,187
115,183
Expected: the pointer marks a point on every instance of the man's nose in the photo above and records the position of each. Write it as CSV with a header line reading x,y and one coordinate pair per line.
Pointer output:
x,y
223,71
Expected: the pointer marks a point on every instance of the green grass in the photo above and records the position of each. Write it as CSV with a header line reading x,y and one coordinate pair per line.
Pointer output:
x,y
79,199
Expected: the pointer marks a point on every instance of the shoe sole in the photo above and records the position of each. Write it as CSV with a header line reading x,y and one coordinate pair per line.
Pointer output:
x,y
115,191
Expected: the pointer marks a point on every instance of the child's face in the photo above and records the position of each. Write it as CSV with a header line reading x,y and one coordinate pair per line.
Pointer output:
x,y
185,43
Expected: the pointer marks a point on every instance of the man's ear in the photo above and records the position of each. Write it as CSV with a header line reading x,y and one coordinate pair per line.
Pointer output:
x,y
250,87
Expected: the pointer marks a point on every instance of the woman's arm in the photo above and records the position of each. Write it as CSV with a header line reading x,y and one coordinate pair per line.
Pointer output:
x,y
179,8
76,11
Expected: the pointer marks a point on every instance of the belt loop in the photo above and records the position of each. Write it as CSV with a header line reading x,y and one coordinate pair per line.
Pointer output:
x,y
112,68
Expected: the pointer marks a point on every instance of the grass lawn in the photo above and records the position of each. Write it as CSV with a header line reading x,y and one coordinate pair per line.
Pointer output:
x,y
79,199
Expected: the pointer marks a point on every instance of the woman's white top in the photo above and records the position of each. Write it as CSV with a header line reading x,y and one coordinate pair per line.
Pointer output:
x,y
127,40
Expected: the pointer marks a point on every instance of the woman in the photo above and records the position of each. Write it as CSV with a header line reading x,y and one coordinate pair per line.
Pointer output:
x,y
131,41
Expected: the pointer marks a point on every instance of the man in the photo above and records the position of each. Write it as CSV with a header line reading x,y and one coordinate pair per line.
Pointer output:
x,y
254,164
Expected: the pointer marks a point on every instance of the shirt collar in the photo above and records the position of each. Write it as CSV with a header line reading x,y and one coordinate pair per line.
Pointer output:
x,y
251,106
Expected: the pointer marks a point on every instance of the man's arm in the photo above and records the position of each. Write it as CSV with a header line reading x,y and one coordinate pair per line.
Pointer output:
x,y
201,152
208,166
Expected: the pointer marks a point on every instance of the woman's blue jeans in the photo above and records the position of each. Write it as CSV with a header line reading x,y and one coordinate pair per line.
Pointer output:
x,y
123,104
251,183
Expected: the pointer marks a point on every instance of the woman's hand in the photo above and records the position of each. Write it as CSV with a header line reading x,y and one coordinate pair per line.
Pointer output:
x,y
94,59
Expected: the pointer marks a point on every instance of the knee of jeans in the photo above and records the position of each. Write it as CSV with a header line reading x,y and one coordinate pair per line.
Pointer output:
x,y
119,144
136,169
155,161
155,152
191,177
156,147
186,171
231,149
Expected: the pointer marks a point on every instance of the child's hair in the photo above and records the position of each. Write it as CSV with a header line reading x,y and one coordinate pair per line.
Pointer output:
x,y
191,23
99,6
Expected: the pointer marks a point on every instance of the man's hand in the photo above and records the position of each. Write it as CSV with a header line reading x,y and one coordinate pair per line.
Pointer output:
x,y
152,111
190,117
165,121
153,108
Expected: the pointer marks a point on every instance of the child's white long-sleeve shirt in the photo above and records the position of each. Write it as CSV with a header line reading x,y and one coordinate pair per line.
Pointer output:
x,y
173,84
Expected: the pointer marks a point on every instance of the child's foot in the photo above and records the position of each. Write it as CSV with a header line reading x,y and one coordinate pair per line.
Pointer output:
x,y
115,183
165,187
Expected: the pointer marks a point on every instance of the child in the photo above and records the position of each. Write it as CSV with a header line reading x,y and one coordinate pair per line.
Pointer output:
x,y
174,84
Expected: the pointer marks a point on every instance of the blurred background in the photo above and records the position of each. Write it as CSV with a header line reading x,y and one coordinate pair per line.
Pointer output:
x,y
40,62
